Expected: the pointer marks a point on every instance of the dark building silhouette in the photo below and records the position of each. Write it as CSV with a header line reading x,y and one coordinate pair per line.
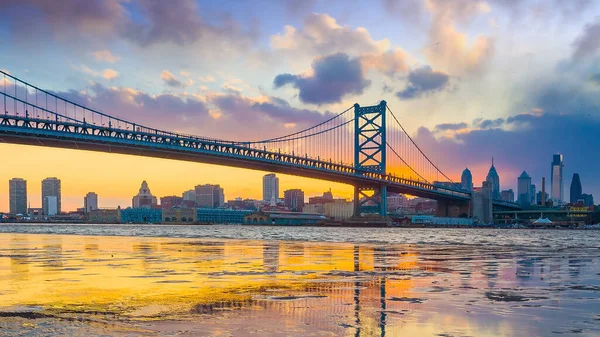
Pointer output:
x,y
575,189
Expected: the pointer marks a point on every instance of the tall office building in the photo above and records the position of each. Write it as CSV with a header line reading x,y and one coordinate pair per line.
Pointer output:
x,y
189,195
90,202
144,198
209,196
294,199
524,189
17,190
494,180
508,195
532,195
270,187
466,180
51,188
576,190
556,178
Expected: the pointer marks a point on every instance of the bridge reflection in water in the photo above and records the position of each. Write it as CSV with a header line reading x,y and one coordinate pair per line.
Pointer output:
x,y
305,288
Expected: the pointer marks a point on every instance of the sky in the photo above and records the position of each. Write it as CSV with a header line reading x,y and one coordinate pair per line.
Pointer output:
x,y
517,80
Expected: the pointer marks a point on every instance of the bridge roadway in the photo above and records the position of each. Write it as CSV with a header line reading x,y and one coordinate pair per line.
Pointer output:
x,y
71,135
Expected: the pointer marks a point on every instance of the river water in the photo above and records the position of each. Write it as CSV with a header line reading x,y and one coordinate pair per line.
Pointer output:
x,y
154,280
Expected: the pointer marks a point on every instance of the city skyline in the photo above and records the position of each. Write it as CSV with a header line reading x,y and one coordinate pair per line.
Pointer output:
x,y
447,53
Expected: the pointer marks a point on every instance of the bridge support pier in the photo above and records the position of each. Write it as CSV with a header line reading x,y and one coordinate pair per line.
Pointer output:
x,y
370,200
453,209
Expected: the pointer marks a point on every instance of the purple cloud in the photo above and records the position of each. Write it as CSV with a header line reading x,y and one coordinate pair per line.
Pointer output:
x,y
422,82
334,77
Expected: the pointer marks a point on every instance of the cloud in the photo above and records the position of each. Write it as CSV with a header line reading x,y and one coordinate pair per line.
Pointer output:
x,y
69,19
333,77
423,81
489,123
185,73
388,63
596,78
449,49
105,56
450,126
322,35
110,74
588,43
170,80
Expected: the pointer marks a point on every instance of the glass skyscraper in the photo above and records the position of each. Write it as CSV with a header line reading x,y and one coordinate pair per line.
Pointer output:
x,y
270,187
556,178
494,180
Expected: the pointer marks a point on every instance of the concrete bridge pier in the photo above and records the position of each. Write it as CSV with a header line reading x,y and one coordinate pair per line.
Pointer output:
x,y
453,209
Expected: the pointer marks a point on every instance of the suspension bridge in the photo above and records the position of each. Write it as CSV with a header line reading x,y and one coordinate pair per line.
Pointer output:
x,y
364,146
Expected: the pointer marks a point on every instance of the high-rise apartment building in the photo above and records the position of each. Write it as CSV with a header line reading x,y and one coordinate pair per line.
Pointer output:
x,y
189,195
270,187
294,199
556,178
17,190
209,196
90,202
494,179
466,180
524,189
51,188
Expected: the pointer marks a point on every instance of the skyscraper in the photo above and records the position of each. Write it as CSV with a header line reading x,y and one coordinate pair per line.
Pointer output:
x,y
144,198
90,202
294,199
51,188
532,195
466,180
576,190
209,196
524,189
508,195
270,187
494,180
17,190
556,178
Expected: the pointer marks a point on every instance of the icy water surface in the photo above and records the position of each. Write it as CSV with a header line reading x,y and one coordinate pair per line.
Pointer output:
x,y
304,281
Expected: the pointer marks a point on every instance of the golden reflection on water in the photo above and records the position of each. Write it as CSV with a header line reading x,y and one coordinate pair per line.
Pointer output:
x,y
334,288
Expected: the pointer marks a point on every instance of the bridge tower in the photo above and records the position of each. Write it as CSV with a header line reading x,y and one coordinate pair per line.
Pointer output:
x,y
369,156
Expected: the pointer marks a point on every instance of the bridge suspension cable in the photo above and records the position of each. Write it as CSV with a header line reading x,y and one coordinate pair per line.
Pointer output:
x,y
408,158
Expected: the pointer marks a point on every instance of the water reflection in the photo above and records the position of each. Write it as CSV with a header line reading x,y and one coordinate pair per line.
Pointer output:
x,y
314,287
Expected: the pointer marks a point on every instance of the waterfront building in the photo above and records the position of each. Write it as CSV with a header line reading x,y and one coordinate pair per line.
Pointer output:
x,y
90,202
325,198
221,216
104,215
51,203
576,190
209,196
508,195
144,198
17,191
35,213
588,199
270,187
284,218
170,201
142,215
314,208
556,178
395,201
466,180
51,188
189,195
524,189
180,215
341,209
294,199
494,179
